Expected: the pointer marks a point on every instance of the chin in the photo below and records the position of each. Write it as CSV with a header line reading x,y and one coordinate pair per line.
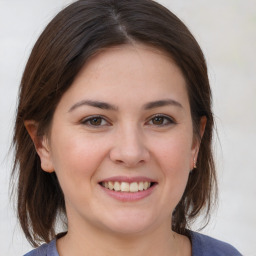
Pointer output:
x,y
132,223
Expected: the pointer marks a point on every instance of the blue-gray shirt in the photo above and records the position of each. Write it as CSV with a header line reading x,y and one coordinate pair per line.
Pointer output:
x,y
202,245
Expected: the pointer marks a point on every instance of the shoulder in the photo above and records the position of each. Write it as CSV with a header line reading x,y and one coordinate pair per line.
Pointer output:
x,y
44,250
203,245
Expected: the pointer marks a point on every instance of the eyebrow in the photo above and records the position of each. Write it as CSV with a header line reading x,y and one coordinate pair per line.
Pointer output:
x,y
161,103
93,103
107,106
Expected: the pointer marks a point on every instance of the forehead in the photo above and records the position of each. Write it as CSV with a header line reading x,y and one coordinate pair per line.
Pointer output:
x,y
136,53
137,72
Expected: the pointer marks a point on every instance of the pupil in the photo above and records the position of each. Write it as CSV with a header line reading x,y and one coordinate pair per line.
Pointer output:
x,y
96,121
158,120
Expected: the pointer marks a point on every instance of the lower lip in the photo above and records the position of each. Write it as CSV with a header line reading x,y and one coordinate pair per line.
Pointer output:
x,y
129,196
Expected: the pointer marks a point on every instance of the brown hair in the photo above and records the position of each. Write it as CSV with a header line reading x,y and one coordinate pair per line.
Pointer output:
x,y
71,38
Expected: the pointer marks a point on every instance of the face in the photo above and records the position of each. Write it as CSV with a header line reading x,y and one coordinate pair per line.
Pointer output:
x,y
121,141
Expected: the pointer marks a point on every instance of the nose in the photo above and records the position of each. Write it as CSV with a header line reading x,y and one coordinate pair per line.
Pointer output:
x,y
129,148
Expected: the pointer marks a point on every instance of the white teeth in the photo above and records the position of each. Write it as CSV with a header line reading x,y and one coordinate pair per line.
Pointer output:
x,y
134,187
105,184
117,186
145,185
127,187
141,186
110,185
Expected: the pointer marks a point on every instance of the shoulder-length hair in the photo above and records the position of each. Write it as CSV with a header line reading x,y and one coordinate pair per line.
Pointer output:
x,y
77,33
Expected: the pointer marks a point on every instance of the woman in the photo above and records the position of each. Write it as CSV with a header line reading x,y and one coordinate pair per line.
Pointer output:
x,y
113,134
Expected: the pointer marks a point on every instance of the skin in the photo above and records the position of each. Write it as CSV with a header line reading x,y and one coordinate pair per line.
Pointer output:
x,y
126,140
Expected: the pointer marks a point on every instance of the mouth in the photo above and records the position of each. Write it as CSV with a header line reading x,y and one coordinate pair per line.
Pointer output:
x,y
130,187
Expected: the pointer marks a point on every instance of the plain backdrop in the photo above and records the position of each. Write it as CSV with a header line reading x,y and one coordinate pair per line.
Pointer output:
x,y
226,31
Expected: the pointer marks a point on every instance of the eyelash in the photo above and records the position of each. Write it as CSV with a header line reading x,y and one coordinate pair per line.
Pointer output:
x,y
87,121
167,120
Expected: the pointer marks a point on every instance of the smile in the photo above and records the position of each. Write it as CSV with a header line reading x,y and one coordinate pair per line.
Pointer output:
x,y
126,186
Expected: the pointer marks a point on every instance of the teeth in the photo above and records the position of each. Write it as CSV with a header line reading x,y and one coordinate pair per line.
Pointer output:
x,y
117,186
141,186
127,187
134,187
145,185
110,185
105,184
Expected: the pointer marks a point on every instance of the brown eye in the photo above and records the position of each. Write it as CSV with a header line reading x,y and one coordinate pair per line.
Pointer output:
x,y
94,121
158,120
161,120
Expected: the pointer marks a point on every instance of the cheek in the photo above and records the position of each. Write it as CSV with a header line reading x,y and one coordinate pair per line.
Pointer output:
x,y
174,154
76,159
174,161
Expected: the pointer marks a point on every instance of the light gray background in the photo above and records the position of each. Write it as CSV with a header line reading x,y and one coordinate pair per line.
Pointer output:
x,y
226,32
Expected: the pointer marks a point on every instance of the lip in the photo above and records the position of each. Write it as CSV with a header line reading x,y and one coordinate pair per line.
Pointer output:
x,y
128,196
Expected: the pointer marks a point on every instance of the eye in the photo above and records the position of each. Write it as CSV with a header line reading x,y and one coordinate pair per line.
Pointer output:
x,y
160,120
95,121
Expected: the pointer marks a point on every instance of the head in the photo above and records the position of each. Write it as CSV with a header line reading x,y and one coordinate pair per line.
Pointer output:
x,y
76,36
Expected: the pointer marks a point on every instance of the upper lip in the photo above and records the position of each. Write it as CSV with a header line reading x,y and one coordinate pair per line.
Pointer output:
x,y
128,179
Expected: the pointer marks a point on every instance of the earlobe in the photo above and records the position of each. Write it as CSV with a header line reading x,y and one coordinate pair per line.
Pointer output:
x,y
41,144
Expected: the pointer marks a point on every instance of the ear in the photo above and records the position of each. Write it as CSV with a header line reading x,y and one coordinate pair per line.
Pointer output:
x,y
41,144
196,142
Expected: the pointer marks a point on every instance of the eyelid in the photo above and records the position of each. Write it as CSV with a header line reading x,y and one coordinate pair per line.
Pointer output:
x,y
170,119
85,121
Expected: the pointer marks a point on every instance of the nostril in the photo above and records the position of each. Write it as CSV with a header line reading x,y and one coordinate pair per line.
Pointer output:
x,y
119,161
129,163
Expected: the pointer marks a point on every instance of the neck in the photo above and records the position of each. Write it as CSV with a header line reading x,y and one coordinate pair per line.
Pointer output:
x,y
160,241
